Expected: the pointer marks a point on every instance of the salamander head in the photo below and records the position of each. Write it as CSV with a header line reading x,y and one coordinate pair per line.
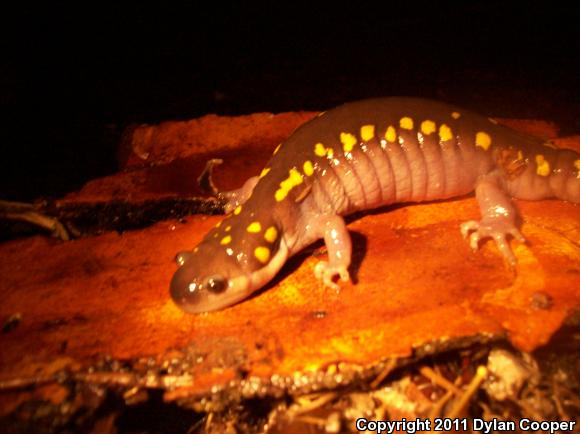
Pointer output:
x,y
227,266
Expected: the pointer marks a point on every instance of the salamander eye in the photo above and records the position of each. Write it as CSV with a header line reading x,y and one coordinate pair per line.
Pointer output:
x,y
216,284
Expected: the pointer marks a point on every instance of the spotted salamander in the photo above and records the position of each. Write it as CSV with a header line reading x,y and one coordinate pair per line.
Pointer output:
x,y
359,156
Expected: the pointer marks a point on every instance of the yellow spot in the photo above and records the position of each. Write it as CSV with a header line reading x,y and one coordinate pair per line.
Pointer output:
x,y
277,149
262,254
228,228
271,234
280,194
254,227
265,171
577,164
482,140
445,132
308,168
320,150
226,240
406,123
391,134
295,177
520,155
218,224
348,141
543,165
329,152
195,250
367,132
238,210
286,184
455,115
428,127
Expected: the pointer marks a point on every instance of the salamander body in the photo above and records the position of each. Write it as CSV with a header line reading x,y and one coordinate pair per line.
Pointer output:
x,y
360,156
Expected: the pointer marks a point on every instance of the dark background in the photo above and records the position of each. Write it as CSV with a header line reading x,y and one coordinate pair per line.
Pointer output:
x,y
73,76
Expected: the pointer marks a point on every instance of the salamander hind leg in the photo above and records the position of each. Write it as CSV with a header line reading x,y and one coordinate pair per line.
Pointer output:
x,y
498,217
338,243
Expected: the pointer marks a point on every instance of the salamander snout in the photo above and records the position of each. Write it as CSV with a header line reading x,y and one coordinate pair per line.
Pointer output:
x,y
196,289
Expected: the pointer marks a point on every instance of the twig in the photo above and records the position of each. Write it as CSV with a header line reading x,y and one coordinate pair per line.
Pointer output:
x,y
438,379
389,366
472,387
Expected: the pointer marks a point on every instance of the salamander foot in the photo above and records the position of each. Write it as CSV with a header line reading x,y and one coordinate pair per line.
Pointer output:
x,y
326,272
498,230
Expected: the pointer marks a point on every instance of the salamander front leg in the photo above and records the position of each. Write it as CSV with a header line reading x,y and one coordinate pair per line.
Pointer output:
x,y
237,197
498,217
231,199
337,239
